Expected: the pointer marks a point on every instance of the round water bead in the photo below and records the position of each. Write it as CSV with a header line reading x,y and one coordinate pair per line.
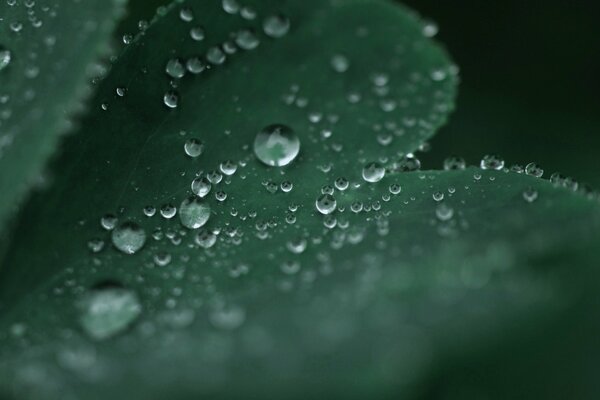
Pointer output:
x,y
129,237
326,204
373,172
276,145
194,212
193,147
276,26
491,161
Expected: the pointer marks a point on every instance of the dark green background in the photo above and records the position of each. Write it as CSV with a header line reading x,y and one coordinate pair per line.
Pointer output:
x,y
530,85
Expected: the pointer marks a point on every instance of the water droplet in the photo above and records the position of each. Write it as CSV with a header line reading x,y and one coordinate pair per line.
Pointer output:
x,y
373,172
454,163
339,63
197,33
444,212
530,195
5,57
149,211
129,237
171,99
326,204
109,221
215,56
121,91
175,68
231,6
195,65
430,29
109,311
96,245
408,163
534,170
194,212
438,196
228,167
276,145
246,39
228,318
290,267
286,186
395,188
492,162
205,238
193,147
201,186
297,245
168,211
276,26
186,14
341,183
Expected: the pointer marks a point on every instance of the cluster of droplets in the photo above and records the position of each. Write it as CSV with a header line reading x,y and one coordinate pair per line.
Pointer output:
x,y
273,26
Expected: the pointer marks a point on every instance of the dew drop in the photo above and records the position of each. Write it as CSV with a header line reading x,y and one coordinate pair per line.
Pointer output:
x,y
276,145
534,170
5,57
373,172
194,212
129,237
205,239
326,204
201,186
276,26
230,6
444,212
108,311
197,33
109,222
341,183
215,56
339,63
186,14
168,211
454,163
171,99
175,68
530,195
492,162
246,39
193,147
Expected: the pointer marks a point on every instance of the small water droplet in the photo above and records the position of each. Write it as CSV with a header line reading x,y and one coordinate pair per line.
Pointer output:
x,y
186,14
326,204
444,212
175,68
339,63
5,57
197,33
246,39
454,163
534,170
171,99
276,26
193,147
492,161
205,238
530,195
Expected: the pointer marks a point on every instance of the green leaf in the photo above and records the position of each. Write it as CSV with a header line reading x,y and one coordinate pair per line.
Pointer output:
x,y
47,51
270,297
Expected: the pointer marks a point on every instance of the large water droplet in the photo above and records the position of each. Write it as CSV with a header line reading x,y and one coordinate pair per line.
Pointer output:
x,y
194,213
108,311
129,237
276,145
534,170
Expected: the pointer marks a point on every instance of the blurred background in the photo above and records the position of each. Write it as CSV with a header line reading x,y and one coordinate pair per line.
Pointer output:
x,y
530,82
530,87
